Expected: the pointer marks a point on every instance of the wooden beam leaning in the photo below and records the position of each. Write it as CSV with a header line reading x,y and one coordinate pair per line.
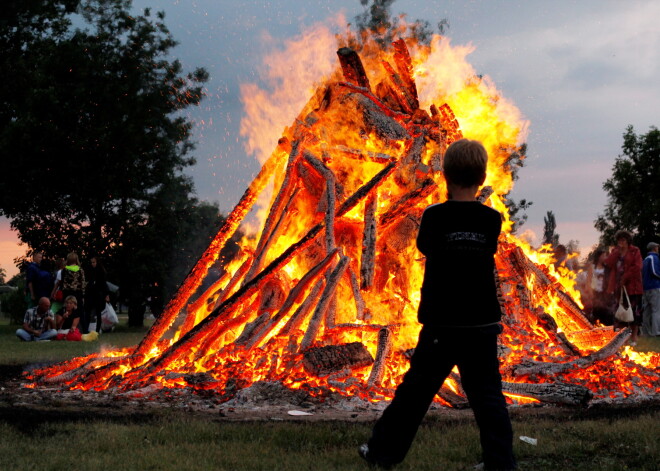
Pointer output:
x,y
368,258
352,67
324,302
382,352
547,368
294,296
275,214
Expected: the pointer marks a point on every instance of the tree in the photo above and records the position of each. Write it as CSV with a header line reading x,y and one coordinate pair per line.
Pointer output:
x,y
92,132
632,202
3,274
549,228
377,21
514,163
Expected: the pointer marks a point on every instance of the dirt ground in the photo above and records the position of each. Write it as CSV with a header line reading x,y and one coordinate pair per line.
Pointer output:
x,y
26,408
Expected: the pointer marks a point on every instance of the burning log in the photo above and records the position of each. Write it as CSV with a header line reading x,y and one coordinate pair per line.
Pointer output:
x,y
557,393
549,369
323,361
407,102
328,293
330,196
301,313
294,296
361,312
384,348
365,156
404,66
369,244
199,271
526,268
274,216
456,401
352,67
406,204
374,119
238,276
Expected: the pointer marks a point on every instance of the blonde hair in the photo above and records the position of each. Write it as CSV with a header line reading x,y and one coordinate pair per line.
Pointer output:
x,y
465,163
72,259
71,298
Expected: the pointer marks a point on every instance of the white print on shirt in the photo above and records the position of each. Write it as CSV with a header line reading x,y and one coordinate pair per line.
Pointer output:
x,y
465,236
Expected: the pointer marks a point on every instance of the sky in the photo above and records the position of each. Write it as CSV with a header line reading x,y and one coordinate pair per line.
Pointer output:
x,y
579,71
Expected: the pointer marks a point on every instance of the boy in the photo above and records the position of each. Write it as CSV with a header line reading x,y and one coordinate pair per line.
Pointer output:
x,y
460,315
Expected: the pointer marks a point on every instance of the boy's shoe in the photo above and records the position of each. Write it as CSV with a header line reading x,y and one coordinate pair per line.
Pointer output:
x,y
366,455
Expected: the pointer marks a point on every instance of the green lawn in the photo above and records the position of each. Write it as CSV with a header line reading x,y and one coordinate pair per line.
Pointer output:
x,y
15,352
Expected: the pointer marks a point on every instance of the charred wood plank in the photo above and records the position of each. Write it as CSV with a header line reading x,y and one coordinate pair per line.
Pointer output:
x,y
403,96
294,296
556,393
404,67
323,361
368,258
352,67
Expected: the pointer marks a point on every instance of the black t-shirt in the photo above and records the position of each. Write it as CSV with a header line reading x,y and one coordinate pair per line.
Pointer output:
x,y
459,240
68,322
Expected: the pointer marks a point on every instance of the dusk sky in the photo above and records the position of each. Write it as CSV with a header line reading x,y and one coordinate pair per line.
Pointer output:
x,y
579,71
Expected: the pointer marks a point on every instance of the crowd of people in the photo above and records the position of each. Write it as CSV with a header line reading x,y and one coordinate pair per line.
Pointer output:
x,y
64,299
620,275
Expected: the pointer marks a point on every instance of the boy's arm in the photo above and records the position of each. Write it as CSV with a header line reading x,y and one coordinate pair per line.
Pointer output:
x,y
423,236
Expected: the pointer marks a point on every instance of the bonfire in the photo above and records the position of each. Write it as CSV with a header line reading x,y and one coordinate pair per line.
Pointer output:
x,y
324,297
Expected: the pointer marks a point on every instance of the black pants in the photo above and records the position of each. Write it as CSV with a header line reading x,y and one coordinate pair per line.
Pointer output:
x,y
474,350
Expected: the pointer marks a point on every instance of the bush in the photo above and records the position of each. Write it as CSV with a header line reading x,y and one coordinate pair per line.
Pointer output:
x,y
13,304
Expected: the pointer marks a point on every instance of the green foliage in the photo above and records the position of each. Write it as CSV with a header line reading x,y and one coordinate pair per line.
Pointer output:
x,y
95,113
632,190
514,162
13,303
549,228
377,21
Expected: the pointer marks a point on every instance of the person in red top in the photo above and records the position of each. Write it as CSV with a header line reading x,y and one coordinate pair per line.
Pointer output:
x,y
625,264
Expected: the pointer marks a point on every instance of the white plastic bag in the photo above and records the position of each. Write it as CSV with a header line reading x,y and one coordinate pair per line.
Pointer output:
x,y
108,318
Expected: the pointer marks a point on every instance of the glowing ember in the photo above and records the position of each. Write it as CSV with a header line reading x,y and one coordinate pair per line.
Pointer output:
x,y
324,298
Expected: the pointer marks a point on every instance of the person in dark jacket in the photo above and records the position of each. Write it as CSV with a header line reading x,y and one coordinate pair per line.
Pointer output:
x,y
651,300
460,316
96,294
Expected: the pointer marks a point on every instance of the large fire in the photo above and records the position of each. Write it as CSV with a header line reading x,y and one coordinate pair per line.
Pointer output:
x,y
324,297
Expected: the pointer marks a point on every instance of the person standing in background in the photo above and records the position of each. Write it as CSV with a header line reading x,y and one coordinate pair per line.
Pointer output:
x,y
96,294
651,298
625,265
31,276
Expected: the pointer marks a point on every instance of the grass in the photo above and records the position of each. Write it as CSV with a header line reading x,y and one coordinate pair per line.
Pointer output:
x,y
15,352
599,438
174,442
